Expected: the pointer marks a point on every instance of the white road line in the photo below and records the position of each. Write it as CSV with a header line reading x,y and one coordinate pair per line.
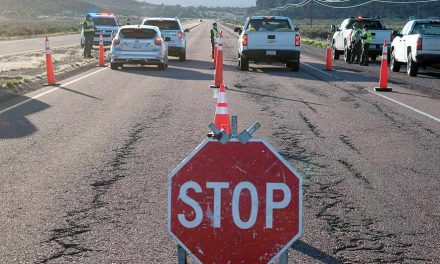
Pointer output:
x,y
49,91
381,95
39,50
407,106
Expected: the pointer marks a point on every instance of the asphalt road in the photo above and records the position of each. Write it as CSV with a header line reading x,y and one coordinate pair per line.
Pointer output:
x,y
84,167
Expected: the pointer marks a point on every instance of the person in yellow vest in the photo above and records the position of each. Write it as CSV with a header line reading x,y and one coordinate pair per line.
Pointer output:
x,y
89,35
213,35
366,41
356,44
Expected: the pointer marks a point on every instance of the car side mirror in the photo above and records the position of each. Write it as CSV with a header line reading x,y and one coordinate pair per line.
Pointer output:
x,y
333,28
238,30
296,28
187,30
167,39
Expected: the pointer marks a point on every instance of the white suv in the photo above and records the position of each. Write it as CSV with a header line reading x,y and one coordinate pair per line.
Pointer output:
x,y
171,28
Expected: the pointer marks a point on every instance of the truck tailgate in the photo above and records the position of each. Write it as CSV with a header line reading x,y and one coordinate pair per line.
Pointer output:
x,y
380,35
271,40
431,43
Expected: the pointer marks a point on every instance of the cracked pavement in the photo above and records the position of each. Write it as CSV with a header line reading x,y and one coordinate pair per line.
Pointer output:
x,y
84,174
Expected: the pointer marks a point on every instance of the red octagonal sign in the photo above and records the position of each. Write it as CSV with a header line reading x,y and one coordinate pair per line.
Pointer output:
x,y
235,203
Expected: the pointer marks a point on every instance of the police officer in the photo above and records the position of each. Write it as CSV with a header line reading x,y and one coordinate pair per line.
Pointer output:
x,y
128,22
89,35
356,45
214,33
366,40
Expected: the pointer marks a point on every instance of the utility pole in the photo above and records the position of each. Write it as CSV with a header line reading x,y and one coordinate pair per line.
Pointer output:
x,y
311,13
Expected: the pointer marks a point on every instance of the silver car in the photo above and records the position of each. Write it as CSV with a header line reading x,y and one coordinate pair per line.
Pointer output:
x,y
142,45
172,28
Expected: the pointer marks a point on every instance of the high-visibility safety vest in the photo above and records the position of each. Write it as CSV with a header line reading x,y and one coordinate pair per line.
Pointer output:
x,y
356,34
214,33
367,37
89,27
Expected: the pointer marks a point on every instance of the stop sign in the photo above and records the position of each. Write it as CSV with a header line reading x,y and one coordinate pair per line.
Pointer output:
x,y
235,203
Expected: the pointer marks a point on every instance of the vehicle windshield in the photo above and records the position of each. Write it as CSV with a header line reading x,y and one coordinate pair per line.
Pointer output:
x,y
104,21
137,33
262,25
163,24
372,24
432,28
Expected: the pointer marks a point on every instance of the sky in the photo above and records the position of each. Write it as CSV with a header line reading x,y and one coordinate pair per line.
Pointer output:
x,y
210,3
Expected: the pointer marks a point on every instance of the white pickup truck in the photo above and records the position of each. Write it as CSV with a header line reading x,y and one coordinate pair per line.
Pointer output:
x,y
267,39
418,45
342,36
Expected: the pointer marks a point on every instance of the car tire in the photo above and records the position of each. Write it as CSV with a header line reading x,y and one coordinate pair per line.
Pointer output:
x,y
244,64
162,67
394,64
412,67
114,66
82,45
182,57
347,54
293,65
335,53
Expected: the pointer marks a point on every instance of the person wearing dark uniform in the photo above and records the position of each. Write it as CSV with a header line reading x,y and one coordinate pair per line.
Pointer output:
x,y
89,35
366,41
356,44
214,33
128,23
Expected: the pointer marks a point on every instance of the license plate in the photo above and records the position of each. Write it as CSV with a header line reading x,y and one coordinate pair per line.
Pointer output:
x,y
271,52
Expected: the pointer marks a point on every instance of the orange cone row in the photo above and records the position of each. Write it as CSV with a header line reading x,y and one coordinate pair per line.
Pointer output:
x,y
221,117
101,51
218,77
328,57
50,73
383,80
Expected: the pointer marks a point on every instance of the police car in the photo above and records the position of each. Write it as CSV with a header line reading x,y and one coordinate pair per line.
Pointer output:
x,y
105,22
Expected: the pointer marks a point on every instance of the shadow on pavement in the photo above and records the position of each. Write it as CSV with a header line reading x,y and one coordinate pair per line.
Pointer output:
x,y
315,253
171,73
276,97
14,124
78,92
198,64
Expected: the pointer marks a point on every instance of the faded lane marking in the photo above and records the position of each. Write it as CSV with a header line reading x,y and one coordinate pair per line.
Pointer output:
x,y
376,93
49,91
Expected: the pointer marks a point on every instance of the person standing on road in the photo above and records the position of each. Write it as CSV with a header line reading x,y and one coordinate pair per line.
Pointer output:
x,y
356,45
214,33
366,40
128,22
89,35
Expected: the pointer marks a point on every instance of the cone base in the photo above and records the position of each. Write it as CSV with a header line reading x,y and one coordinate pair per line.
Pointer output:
x,y
104,65
380,89
55,84
328,69
213,86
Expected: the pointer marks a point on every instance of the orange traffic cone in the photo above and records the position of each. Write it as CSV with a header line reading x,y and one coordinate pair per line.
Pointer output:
x,y
328,56
101,51
215,51
218,78
49,65
383,81
221,117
